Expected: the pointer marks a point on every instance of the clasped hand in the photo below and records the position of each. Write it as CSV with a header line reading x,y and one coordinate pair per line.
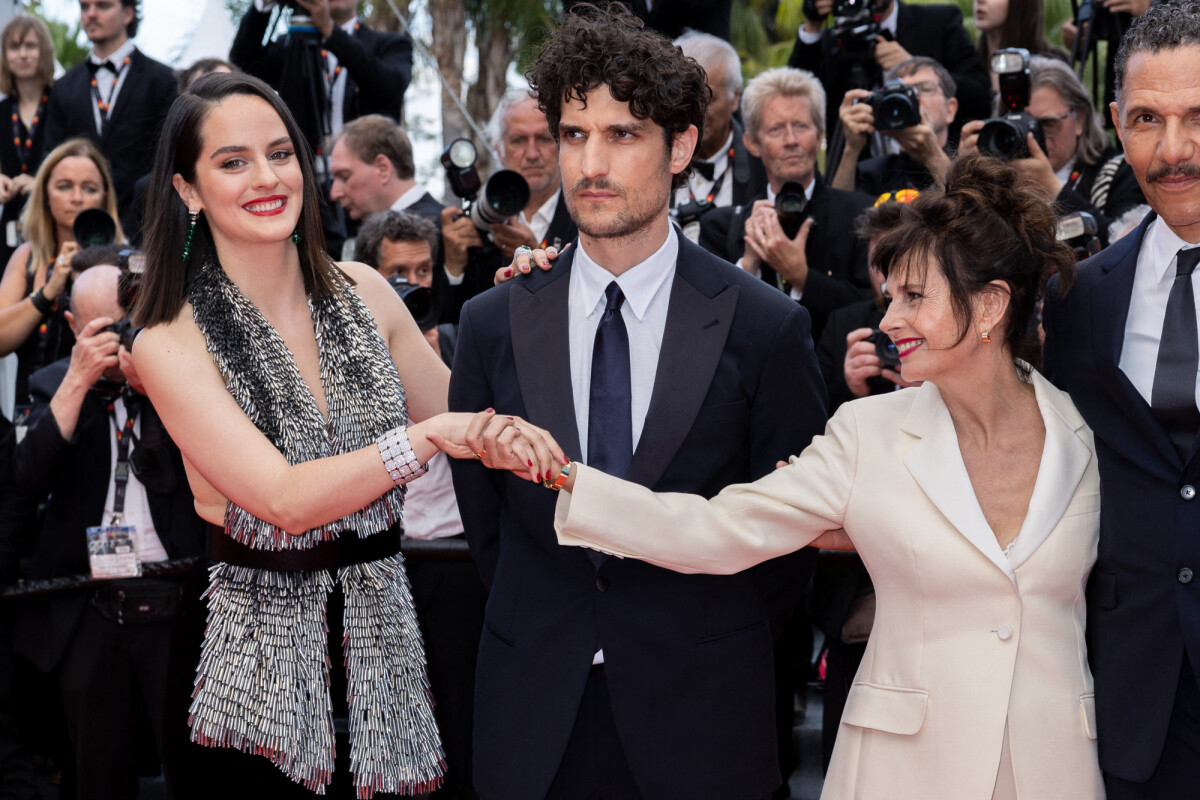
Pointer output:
x,y
500,441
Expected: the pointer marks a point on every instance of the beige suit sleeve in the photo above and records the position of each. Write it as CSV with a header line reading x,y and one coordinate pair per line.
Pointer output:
x,y
743,525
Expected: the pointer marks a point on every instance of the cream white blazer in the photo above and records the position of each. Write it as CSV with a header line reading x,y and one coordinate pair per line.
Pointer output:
x,y
975,657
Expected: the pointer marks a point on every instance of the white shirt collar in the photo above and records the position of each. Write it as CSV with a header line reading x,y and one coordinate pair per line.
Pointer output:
x,y
639,284
350,25
889,22
117,56
1064,174
808,190
408,198
1160,248
543,216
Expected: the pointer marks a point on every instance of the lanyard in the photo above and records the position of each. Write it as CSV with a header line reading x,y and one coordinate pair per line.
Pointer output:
x,y
104,107
716,187
125,438
25,145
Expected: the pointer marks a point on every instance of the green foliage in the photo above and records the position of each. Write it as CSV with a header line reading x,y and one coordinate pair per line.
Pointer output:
x,y
527,22
70,44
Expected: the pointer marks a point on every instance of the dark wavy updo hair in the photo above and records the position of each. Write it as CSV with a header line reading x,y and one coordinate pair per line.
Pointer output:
x,y
610,47
986,224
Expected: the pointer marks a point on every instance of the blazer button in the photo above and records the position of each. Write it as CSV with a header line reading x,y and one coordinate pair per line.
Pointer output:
x,y
1185,575
1005,632
601,583
1188,492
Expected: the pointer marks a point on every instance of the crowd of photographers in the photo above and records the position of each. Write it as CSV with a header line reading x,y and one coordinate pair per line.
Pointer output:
x,y
97,519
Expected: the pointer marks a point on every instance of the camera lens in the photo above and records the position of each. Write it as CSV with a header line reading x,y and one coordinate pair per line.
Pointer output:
x,y
1000,138
503,196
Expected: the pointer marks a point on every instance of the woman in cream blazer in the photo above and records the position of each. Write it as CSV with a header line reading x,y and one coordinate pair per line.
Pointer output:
x,y
975,683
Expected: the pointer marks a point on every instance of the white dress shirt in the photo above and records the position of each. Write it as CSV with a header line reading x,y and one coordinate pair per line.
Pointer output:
x,y
1152,281
109,83
647,290
699,186
540,224
430,508
406,200
146,543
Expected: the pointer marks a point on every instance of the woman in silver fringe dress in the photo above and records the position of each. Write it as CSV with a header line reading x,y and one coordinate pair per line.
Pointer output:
x,y
288,383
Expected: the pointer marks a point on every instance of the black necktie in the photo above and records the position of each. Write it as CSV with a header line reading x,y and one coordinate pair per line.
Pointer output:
x,y
1173,398
705,168
610,421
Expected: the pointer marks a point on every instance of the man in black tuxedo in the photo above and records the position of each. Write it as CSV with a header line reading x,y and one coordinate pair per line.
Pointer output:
x,y
124,111
365,71
523,143
108,647
723,171
823,265
917,29
1123,343
641,353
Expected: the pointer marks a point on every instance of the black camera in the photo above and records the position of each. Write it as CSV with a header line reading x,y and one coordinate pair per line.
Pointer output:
x,y
125,330
504,194
895,105
1004,137
842,9
885,349
791,206
420,301
93,226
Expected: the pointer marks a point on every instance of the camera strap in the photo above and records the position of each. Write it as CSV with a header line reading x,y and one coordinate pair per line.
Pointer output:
x,y
104,107
717,184
125,440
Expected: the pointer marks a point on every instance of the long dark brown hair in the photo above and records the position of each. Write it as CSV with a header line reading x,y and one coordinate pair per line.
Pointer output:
x,y
166,280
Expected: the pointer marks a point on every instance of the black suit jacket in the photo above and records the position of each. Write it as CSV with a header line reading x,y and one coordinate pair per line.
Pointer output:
x,y
837,258
688,657
747,174
73,476
1124,192
935,31
131,136
891,173
1141,616
10,165
378,64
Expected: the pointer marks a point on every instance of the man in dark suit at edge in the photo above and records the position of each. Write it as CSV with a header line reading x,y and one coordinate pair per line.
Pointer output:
x,y
124,111
643,354
1123,343
824,265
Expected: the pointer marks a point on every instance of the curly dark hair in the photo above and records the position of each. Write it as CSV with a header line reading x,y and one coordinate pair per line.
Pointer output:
x,y
395,226
610,47
986,224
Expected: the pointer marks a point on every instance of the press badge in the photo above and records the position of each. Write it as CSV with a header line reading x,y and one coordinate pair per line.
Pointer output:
x,y
111,552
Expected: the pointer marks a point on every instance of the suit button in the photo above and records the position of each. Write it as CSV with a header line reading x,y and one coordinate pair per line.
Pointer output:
x,y
1005,632
1188,492
601,583
1185,575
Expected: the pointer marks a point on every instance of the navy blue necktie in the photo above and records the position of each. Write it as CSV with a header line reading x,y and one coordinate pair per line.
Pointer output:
x,y
1173,397
610,421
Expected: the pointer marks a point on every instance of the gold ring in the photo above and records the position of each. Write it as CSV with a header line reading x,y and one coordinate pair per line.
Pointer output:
x,y
480,454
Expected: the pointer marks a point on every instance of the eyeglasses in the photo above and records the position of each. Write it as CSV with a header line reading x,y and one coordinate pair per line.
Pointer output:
x,y
901,196
927,88
1052,125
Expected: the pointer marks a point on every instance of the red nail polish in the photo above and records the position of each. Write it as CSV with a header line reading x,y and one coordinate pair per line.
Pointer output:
x,y
489,411
528,463
508,272
566,461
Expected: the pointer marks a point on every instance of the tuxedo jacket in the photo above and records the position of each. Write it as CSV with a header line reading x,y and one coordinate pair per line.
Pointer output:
x,y
131,135
378,64
837,258
934,30
746,173
1143,612
688,658
970,649
73,477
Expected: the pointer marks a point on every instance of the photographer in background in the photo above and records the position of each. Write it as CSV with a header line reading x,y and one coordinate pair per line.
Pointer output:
x,y
107,647
922,146
523,144
363,71
448,594
905,30
1079,167
823,265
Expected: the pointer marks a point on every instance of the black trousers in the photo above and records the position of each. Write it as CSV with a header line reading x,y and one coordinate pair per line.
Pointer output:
x,y
113,682
594,766
1178,771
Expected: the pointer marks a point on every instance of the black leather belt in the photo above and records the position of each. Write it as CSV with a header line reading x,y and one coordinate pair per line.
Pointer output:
x,y
343,551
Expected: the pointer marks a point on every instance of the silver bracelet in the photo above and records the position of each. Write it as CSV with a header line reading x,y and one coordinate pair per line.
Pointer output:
x,y
399,459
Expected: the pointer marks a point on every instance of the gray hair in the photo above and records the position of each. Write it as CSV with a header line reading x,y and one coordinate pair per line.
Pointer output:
x,y
395,226
788,82
710,51
495,126
1163,27
1056,75
911,66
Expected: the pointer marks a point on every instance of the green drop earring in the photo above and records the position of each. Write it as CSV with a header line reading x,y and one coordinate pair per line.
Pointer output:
x,y
187,244
296,235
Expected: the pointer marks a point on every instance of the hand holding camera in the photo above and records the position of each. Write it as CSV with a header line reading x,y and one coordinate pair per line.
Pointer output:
x,y
94,353
870,357
777,234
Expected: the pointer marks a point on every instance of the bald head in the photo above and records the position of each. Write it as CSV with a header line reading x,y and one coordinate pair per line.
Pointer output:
x,y
93,295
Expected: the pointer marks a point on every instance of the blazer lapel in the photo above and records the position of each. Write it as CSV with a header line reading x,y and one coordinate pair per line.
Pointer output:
x,y
541,350
698,320
131,91
935,463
